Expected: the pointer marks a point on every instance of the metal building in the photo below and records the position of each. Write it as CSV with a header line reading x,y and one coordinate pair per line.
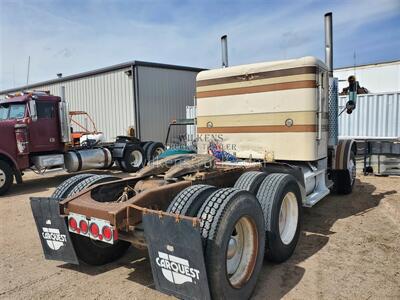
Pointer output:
x,y
144,95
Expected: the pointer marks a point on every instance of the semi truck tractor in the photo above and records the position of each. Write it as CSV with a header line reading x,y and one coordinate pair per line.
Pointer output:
x,y
209,223
36,134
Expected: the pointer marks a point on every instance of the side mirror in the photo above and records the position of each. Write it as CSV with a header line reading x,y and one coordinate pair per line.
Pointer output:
x,y
351,104
32,110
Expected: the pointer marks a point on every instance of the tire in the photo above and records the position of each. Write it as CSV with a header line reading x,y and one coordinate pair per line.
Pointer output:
x,y
6,177
343,180
144,145
280,192
134,159
96,252
64,188
250,181
84,184
153,150
189,200
226,216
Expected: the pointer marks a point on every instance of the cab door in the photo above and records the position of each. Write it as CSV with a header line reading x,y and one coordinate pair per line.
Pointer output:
x,y
44,132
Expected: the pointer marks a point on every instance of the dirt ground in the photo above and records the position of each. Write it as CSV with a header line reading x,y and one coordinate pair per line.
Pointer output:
x,y
349,249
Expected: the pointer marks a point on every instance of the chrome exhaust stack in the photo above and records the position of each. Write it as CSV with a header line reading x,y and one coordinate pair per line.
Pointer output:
x,y
329,43
64,118
224,48
332,92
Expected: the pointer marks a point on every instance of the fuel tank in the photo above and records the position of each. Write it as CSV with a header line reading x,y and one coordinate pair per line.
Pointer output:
x,y
85,159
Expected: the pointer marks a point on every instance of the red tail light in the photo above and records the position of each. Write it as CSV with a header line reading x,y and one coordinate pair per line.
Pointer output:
x,y
72,224
107,233
94,229
83,226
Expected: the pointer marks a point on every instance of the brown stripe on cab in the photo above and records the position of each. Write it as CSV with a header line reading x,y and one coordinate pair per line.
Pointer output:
x,y
259,89
258,129
259,75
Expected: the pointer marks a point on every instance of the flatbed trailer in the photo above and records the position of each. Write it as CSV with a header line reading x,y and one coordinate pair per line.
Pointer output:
x,y
208,224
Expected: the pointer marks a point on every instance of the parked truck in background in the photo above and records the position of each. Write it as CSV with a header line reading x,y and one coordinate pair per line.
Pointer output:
x,y
36,134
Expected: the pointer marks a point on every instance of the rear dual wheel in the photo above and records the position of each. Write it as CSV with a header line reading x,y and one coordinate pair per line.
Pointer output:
x,y
88,250
232,229
280,199
153,150
134,159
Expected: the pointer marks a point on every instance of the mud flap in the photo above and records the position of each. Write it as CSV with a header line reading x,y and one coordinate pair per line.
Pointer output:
x,y
176,257
53,231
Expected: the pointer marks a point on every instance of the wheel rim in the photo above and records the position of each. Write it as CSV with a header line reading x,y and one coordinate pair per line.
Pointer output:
x,y
158,151
288,218
2,178
136,158
241,252
352,170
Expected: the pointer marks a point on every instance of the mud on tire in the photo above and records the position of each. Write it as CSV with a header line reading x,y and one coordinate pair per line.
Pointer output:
x,y
227,217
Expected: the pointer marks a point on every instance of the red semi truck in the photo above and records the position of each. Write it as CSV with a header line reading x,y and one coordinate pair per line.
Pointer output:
x,y
35,133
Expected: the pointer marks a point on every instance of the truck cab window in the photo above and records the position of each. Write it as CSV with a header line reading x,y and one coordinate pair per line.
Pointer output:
x,y
45,110
12,111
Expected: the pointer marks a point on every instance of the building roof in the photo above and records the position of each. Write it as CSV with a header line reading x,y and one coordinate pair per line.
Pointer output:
x,y
377,64
100,71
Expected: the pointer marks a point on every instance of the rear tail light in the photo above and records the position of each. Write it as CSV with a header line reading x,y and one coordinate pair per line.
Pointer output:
x,y
73,224
83,226
107,233
94,229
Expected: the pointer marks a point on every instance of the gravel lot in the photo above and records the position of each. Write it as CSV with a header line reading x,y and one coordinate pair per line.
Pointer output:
x,y
349,248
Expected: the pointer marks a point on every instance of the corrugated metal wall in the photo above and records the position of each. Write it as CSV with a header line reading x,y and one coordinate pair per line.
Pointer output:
x,y
107,97
163,96
376,116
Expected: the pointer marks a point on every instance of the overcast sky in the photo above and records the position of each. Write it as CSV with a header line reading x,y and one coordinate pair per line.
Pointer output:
x,y
75,36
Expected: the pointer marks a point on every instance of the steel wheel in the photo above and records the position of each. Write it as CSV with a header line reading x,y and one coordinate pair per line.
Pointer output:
x,y
136,158
232,220
6,177
158,151
351,166
241,252
2,178
288,218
